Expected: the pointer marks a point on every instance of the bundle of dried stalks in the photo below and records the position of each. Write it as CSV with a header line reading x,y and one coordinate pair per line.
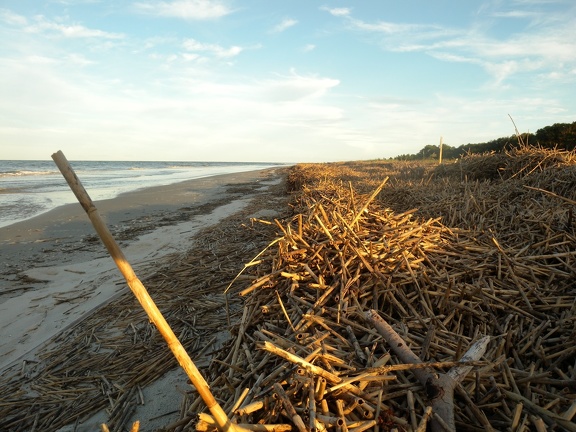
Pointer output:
x,y
497,261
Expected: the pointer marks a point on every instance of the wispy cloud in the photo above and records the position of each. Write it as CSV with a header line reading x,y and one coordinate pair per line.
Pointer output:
x,y
537,2
284,25
406,31
75,2
43,25
185,9
298,87
195,46
12,18
177,85
550,45
515,14
336,11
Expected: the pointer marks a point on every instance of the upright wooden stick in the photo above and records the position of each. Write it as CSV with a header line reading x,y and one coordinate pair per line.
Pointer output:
x,y
440,157
142,295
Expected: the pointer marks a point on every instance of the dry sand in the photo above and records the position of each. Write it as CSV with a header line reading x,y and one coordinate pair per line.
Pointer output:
x,y
54,270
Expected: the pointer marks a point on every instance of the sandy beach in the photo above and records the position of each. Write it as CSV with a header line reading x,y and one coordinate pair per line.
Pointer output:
x,y
55,271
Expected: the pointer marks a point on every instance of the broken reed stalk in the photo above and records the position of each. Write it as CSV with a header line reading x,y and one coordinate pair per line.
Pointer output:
x,y
294,416
142,295
440,387
135,427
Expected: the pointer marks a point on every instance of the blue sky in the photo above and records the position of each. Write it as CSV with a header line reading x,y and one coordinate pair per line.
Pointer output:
x,y
282,81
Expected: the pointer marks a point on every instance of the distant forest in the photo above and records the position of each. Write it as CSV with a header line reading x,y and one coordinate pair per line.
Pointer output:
x,y
559,136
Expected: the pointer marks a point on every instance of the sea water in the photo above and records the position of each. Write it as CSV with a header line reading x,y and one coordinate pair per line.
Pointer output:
x,y
29,188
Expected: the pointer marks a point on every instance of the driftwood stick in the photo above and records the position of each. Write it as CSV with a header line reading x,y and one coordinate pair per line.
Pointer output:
x,y
142,295
399,346
475,352
294,416
542,412
410,400
439,387
570,412
427,414
480,416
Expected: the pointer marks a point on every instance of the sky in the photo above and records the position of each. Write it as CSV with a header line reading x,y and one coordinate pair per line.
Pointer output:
x,y
278,81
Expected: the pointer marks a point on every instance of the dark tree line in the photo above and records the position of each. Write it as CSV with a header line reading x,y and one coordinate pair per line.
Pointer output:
x,y
559,135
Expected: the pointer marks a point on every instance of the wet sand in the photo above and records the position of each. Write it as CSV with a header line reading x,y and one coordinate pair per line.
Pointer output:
x,y
54,269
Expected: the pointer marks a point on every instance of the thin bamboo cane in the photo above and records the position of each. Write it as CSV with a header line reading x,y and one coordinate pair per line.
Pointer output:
x,y
141,293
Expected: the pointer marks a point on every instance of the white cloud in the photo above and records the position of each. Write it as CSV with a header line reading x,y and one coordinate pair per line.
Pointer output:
x,y
12,18
70,31
42,25
284,25
76,2
39,60
298,87
176,101
196,113
189,57
549,45
390,27
337,11
515,14
440,55
185,9
536,2
563,76
213,49
407,32
456,118
78,59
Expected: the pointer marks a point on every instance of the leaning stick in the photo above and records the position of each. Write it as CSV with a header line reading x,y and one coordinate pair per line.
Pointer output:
x,y
367,203
296,419
222,421
439,386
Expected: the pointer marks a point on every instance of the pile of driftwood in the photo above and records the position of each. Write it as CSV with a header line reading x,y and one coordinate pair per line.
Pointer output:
x,y
366,315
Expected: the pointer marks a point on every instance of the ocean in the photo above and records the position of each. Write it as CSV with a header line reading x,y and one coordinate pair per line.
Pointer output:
x,y
29,188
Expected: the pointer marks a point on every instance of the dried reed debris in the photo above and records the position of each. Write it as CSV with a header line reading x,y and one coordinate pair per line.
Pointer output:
x,y
305,354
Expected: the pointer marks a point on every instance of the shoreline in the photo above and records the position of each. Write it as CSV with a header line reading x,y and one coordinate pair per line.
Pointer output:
x,y
181,192
56,270
32,190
